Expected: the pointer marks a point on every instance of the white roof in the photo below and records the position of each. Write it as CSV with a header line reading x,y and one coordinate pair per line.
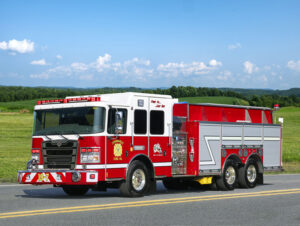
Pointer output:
x,y
123,98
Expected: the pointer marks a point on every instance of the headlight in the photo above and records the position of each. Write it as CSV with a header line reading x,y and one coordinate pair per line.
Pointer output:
x,y
35,154
90,155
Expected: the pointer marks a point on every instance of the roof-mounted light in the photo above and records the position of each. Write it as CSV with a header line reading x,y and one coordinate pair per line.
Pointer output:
x,y
69,100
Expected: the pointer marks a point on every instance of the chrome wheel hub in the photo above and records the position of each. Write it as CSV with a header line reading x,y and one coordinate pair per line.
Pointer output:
x,y
138,179
251,173
230,175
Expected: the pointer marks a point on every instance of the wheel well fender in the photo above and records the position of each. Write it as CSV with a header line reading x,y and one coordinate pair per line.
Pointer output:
x,y
258,160
145,159
235,158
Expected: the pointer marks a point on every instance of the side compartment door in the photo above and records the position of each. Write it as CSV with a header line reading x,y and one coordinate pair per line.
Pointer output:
x,y
179,146
209,147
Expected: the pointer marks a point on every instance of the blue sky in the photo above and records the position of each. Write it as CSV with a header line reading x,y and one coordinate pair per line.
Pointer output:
x,y
241,44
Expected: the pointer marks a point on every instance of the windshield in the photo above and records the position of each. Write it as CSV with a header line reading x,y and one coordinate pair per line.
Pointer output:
x,y
80,120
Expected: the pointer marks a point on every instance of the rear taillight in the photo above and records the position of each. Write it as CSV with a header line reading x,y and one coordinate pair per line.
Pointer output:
x,y
90,155
35,154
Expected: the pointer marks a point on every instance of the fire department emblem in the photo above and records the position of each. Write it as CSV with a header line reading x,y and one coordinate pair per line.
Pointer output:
x,y
117,150
157,149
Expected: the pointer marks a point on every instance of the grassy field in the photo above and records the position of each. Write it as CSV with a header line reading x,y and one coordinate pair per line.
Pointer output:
x,y
290,133
17,106
215,100
15,144
16,129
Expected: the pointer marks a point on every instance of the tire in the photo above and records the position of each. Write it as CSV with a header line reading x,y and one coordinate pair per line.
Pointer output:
x,y
248,174
137,182
229,178
75,190
173,184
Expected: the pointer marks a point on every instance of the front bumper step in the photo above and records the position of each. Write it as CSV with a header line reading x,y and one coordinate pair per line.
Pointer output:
x,y
58,177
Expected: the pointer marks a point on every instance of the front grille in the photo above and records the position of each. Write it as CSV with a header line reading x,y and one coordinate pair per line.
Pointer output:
x,y
59,154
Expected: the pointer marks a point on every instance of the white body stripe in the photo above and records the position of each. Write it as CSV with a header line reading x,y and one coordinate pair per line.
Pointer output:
x,y
116,166
102,166
212,160
157,164
272,138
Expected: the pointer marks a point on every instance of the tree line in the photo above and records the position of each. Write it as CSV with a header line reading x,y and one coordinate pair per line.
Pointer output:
x,y
19,93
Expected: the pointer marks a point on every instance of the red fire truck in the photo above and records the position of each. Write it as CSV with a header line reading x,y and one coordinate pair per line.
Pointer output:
x,y
131,140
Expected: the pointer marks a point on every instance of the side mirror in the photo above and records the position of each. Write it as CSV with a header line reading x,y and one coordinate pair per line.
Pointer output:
x,y
119,122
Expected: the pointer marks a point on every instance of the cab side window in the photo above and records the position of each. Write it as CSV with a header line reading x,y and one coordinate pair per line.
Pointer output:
x,y
140,122
112,124
157,121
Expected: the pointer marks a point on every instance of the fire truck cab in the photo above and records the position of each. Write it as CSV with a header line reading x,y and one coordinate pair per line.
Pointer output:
x,y
131,140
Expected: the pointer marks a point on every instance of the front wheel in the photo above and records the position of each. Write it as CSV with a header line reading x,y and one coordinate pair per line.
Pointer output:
x,y
248,175
75,190
228,179
137,181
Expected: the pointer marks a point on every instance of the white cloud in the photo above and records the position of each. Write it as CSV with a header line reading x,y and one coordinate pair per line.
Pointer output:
x,y
41,62
224,76
102,62
197,68
294,65
234,46
43,75
250,67
59,57
3,45
214,63
24,46
79,66
264,78
135,69
86,77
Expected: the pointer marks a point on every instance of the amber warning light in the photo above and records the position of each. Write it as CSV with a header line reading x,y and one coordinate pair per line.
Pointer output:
x,y
69,100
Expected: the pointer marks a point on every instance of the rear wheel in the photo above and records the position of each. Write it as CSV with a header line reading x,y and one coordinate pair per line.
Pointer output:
x,y
137,182
228,180
75,190
248,175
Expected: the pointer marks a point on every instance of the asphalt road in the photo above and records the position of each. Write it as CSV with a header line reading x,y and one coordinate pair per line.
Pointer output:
x,y
277,202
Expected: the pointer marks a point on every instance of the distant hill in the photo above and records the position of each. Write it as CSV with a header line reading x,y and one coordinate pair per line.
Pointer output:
x,y
250,92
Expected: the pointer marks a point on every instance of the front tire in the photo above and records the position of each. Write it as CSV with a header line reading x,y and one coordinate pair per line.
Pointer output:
x,y
248,175
137,182
75,190
229,178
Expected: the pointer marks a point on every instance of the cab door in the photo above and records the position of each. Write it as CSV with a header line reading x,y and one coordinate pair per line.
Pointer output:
x,y
118,142
160,136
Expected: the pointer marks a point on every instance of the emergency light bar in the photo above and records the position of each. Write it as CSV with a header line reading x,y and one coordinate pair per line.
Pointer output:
x,y
69,100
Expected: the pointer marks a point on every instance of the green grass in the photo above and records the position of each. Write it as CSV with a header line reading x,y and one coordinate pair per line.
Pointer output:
x,y
290,133
15,144
16,130
215,100
17,106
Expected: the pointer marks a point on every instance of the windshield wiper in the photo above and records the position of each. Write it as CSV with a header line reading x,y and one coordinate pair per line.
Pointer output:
x,y
57,133
75,133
